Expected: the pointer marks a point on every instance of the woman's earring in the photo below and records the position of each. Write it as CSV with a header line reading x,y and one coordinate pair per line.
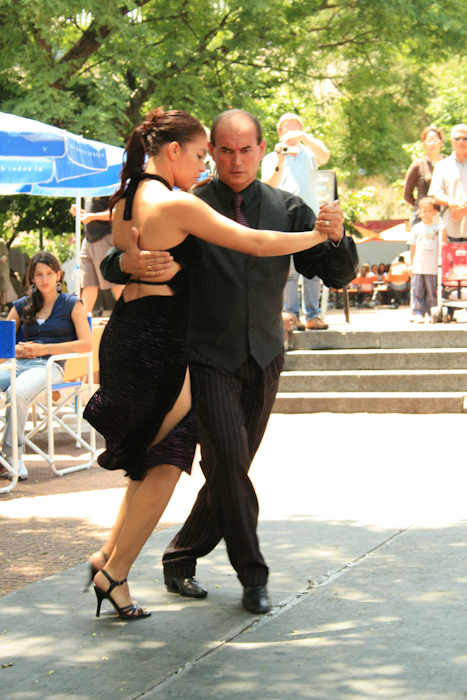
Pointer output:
x,y
33,288
59,286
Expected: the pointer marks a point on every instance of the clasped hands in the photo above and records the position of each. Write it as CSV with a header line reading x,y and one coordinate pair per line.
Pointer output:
x,y
30,350
329,221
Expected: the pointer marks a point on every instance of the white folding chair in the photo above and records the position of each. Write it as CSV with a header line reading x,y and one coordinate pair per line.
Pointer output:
x,y
69,405
7,352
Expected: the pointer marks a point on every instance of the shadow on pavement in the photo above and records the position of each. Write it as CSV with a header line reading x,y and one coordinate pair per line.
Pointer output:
x,y
359,612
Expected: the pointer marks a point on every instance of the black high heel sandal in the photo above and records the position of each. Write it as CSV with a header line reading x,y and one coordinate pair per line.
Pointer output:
x,y
94,572
128,612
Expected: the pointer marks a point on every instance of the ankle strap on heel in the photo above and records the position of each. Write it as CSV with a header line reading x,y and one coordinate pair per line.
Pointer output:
x,y
113,583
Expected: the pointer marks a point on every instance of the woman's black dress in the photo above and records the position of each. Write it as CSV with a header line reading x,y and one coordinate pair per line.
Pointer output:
x,y
142,370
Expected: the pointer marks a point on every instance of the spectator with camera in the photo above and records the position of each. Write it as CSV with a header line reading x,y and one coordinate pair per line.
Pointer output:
x,y
292,167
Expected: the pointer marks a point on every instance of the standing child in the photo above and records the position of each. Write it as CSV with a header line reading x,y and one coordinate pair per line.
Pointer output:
x,y
423,241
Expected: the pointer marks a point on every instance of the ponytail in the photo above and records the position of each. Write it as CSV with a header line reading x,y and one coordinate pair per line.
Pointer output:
x,y
157,129
133,163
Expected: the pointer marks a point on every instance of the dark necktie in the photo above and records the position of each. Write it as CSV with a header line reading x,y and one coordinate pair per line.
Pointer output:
x,y
238,214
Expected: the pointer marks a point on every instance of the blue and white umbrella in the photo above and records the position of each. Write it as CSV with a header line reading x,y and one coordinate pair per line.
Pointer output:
x,y
43,160
36,158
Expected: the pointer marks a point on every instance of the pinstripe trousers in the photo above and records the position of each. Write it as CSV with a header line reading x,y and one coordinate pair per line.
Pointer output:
x,y
233,411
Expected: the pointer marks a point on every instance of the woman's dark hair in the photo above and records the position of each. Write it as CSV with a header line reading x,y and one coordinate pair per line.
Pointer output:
x,y
427,130
35,301
147,139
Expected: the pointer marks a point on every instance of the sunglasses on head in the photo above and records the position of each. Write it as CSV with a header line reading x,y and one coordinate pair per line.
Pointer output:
x,y
459,138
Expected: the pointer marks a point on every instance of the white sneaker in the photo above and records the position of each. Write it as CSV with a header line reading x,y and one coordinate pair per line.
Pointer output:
x,y
419,319
22,471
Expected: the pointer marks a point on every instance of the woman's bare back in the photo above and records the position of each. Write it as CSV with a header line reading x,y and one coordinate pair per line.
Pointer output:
x,y
154,215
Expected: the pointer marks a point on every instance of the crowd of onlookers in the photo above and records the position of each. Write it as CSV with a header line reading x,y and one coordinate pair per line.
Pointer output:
x,y
436,189
383,284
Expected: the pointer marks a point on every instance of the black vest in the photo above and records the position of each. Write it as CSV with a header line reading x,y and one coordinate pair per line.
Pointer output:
x,y
236,300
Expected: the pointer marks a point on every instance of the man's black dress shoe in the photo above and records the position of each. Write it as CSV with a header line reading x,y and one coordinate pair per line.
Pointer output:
x,y
255,599
188,587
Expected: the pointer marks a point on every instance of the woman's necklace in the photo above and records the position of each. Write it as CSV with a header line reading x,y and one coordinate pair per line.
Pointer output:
x,y
46,310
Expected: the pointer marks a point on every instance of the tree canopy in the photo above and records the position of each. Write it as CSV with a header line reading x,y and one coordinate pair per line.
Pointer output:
x,y
358,71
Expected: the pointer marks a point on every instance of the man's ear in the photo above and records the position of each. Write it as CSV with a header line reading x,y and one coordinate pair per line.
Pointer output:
x,y
211,150
262,149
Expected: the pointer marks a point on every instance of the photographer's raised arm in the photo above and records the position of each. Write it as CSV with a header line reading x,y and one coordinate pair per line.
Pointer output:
x,y
271,167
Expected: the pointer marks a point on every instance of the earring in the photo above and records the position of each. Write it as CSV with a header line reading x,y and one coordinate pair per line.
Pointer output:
x,y
59,287
33,288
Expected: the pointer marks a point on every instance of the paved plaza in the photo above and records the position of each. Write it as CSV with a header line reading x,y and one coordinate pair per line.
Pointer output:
x,y
363,523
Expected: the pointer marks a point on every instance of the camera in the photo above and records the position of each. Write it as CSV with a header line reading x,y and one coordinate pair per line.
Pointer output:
x,y
287,149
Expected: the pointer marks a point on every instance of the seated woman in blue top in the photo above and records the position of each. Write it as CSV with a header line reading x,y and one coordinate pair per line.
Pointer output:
x,y
52,323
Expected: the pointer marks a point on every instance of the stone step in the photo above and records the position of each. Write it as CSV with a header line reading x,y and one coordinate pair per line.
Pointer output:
x,y
365,402
432,336
429,358
374,380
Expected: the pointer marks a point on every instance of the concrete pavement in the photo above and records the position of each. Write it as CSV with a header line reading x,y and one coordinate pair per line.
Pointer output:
x,y
363,524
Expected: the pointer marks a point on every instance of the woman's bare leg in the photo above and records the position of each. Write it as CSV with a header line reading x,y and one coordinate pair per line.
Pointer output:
x,y
149,502
141,509
99,558
180,409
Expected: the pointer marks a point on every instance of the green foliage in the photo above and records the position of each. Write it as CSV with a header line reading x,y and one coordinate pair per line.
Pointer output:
x,y
354,205
96,71
62,247
448,98
362,73
36,218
